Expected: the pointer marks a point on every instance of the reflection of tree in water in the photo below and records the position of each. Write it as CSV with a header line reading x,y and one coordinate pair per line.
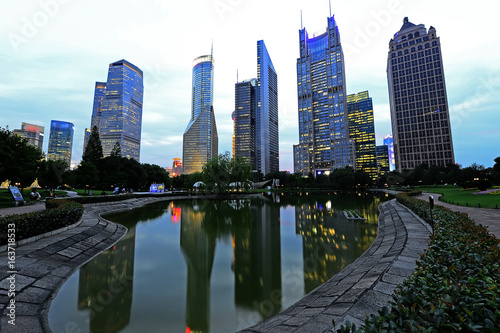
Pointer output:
x,y
130,218
106,286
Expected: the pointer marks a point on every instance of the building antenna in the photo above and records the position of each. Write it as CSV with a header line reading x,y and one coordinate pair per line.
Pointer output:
x,y
237,80
301,26
330,2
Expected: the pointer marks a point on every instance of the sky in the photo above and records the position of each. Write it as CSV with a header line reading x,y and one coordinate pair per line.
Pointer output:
x,y
53,51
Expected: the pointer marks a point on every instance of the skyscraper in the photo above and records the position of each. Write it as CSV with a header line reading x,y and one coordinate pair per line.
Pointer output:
x,y
324,142
266,118
200,140
417,95
256,132
117,109
244,121
382,159
362,132
389,143
60,141
33,133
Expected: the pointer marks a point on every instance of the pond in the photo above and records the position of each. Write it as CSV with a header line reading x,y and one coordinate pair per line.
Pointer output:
x,y
198,265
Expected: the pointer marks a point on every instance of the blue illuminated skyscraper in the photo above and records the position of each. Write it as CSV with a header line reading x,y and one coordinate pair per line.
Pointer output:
x,y
256,132
389,143
117,109
200,140
324,142
60,141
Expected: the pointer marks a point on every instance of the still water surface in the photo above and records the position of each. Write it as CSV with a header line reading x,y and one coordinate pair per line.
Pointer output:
x,y
214,265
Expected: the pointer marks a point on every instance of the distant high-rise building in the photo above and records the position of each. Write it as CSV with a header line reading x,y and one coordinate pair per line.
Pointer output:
x,y
86,137
244,121
389,143
324,142
177,167
382,160
60,141
200,140
417,95
117,109
33,133
362,132
256,130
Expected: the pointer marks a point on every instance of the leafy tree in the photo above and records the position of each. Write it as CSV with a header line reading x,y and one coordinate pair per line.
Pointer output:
x,y
155,174
362,179
87,174
217,172
93,150
20,162
496,171
240,171
117,150
343,178
53,173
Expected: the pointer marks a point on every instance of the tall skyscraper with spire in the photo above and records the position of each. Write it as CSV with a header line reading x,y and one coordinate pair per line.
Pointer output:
x,y
200,140
324,142
117,109
256,131
417,94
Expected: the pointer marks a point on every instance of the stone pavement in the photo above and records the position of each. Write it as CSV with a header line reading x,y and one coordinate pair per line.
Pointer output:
x,y
35,207
488,217
363,287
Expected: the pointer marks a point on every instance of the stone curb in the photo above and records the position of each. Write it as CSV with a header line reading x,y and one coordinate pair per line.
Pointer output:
x,y
363,287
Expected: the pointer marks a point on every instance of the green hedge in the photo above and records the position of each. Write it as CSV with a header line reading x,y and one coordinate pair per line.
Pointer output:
x,y
59,214
455,286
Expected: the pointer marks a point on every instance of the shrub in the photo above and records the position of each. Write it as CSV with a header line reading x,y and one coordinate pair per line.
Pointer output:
x,y
455,285
60,213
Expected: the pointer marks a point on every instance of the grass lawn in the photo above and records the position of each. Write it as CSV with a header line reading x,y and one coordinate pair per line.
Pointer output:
x,y
94,191
455,195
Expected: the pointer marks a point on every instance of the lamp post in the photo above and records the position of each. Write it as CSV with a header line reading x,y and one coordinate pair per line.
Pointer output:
x,y
431,205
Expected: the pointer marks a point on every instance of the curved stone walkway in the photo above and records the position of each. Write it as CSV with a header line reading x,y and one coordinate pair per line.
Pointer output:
x,y
363,287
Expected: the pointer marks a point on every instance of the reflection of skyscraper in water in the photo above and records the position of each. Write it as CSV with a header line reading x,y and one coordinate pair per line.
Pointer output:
x,y
257,266
106,286
198,248
329,241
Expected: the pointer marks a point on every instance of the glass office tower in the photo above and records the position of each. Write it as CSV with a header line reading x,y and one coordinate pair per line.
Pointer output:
x,y
33,133
324,142
256,132
60,141
244,121
266,119
200,140
382,160
362,132
417,94
117,109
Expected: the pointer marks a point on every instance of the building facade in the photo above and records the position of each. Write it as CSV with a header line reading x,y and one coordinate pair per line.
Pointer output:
x,y
324,142
60,141
382,160
362,132
244,121
33,133
256,129
200,140
388,141
266,118
417,94
117,109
